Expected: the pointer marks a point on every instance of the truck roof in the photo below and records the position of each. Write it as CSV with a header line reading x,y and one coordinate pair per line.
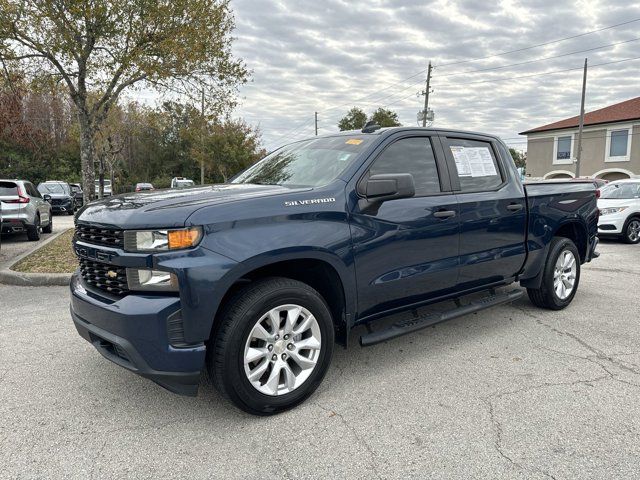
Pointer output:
x,y
390,130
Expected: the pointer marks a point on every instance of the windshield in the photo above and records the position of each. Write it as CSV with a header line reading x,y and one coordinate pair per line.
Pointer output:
x,y
107,183
184,183
620,191
49,188
311,163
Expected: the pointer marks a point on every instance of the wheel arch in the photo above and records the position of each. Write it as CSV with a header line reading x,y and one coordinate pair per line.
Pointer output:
x,y
323,271
577,232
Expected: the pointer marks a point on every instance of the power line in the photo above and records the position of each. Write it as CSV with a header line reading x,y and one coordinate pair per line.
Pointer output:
x,y
544,58
539,44
538,74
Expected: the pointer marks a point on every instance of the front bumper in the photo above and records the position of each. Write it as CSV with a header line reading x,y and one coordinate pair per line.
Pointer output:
x,y
611,224
63,207
132,332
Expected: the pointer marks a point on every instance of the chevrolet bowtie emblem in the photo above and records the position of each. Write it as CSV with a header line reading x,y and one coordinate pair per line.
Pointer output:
x,y
112,274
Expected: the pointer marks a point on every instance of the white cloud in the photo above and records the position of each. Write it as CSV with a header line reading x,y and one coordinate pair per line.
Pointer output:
x,y
311,56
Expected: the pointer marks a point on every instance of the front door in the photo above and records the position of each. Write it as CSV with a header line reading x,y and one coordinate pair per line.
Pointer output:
x,y
406,250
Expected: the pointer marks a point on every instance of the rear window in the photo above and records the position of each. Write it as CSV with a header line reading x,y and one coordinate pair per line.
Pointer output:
x,y
8,189
476,164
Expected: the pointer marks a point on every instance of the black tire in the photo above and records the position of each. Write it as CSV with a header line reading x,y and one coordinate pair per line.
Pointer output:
x,y
225,358
627,233
49,227
546,296
33,231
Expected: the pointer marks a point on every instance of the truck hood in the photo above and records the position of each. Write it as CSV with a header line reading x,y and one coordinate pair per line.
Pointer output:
x,y
170,207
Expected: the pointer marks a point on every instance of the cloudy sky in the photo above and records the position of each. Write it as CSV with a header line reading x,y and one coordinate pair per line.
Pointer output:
x,y
329,55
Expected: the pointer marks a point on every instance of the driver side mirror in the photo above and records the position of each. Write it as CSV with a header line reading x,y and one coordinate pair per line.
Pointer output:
x,y
47,198
388,186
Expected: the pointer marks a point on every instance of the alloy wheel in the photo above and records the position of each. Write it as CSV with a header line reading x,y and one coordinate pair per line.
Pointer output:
x,y
564,274
282,349
633,230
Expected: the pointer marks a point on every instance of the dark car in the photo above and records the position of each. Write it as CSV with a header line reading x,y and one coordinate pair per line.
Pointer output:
x,y
76,190
62,198
255,279
143,187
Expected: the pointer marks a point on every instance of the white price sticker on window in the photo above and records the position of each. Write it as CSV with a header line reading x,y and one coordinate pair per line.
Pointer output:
x,y
473,161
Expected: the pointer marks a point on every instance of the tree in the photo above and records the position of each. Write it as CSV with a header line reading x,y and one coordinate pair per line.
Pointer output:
x,y
385,118
355,119
519,158
99,48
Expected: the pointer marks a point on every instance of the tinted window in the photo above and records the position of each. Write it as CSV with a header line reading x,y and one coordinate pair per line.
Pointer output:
x,y
31,190
414,156
476,164
8,189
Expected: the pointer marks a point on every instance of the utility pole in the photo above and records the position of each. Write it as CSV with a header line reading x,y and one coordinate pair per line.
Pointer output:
x,y
426,97
316,124
202,139
581,125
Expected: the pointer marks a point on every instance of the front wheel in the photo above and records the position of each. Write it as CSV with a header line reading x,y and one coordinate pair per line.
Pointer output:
x,y
560,277
631,232
273,346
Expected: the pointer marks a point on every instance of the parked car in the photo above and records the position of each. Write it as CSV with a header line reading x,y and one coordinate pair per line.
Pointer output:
x,y
255,279
77,192
24,209
106,187
142,187
181,182
60,195
619,205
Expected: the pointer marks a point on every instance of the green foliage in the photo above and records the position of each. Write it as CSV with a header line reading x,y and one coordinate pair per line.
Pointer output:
x,y
98,49
355,119
385,118
519,158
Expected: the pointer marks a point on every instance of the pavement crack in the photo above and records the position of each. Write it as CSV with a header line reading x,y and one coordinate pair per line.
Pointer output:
x,y
361,441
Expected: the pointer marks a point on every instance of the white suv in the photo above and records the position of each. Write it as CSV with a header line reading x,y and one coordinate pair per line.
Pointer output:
x,y
619,206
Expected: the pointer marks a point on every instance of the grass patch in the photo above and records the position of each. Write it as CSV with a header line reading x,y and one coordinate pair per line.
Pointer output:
x,y
55,257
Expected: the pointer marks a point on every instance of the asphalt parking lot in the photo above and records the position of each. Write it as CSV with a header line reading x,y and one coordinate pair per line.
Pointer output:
x,y
14,245
513,392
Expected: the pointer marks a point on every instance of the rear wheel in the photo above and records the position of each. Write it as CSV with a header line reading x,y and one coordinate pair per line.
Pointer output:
x,y
273,346
561,276
631,232
33,231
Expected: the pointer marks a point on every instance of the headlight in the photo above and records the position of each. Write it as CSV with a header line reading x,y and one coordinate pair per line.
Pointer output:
x,y
151,280
611,210
161,240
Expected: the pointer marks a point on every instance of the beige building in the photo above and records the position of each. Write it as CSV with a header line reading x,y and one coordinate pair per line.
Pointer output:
x,y
610,145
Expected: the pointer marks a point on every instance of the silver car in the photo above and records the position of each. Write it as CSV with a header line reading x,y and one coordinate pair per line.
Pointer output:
x,y
24,209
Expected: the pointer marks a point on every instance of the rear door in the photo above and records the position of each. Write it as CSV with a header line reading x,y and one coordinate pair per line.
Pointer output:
x,y
493,214
406,250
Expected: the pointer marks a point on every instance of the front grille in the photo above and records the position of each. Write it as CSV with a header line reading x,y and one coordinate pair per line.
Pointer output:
x,y
109,278
100,236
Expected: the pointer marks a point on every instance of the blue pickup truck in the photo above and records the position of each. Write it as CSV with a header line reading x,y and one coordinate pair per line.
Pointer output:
x,y
257,279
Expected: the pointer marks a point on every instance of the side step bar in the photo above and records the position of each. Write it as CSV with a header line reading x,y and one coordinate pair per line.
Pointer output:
x,y
414,324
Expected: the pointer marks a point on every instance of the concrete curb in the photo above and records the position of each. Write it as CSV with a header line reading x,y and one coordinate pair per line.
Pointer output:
x,y
22,279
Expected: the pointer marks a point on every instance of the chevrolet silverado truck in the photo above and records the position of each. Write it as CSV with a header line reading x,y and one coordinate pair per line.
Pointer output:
x,y
257,279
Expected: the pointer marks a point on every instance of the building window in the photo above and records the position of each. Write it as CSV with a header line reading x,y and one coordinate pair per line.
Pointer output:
x,y
563,149
618,145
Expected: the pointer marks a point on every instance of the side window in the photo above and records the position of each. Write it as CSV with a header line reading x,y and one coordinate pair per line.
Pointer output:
x,y
31,190
476,164
411,155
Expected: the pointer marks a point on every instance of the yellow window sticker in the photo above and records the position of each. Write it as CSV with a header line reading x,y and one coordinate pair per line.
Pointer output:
x,y
354,141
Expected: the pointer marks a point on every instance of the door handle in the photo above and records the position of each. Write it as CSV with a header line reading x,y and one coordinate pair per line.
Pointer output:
x,y
515,207
444,214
